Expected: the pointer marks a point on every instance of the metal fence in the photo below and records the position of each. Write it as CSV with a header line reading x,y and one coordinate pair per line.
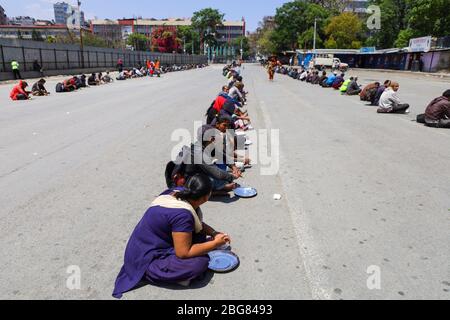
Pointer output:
x,y
65,59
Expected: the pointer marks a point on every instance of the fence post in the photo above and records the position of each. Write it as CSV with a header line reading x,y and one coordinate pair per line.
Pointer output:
x,y
24,61
56,61
40,58
3,58
89,59
104,60
96,54
68,60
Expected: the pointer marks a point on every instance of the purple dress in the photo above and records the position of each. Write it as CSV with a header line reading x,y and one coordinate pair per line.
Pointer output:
x,y
150,253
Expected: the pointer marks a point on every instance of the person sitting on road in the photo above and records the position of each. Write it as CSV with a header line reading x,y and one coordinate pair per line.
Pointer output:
x,y
303,76
198,158
315,77
344,87
19,91
170,245
70,85
376,95
353,88
369,91
390,101
322,79
92,80
80,82
38,88
330,80
107,78
437,114
337,83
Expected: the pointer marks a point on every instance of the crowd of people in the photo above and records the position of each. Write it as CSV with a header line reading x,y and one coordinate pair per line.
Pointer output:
x,y
150,69
384,97
170,245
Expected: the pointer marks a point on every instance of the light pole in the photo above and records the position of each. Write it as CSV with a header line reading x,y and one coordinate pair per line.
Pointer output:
x,y
184,45
315,32
81,34
242,49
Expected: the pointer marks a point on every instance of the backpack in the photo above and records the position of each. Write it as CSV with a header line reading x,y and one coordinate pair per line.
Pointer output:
x,y
421,118
59,87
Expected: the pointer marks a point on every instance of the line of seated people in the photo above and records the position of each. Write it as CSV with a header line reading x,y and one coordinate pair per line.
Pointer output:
x,y
385,97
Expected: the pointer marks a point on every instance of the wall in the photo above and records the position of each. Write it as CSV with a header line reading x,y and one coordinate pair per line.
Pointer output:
x,y
56,58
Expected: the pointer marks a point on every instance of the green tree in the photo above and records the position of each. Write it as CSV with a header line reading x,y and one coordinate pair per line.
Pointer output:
x,y
92,40
403,38
290,23
345,29
428,18
138,41
36,36
206,22
265,44
393,19
293,23
189,36
245,46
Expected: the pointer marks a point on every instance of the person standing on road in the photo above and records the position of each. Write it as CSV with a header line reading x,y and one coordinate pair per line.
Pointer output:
x,y
170,245
120,65
390,101
15,69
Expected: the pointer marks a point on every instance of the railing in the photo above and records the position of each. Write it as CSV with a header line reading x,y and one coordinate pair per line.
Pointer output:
x,y
66,59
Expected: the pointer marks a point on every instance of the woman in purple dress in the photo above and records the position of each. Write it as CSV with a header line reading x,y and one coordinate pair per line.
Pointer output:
x,y
170,245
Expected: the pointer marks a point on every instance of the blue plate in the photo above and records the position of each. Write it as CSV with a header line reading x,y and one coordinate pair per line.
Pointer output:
x,y
223,261
246,192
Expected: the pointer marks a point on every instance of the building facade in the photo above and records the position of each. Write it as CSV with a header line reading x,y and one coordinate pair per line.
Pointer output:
x,y
26,32
22,21
3,17
64,10
115,30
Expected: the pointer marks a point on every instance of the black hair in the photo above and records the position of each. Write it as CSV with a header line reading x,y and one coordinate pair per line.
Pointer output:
x,y
387,82
446,94
196,187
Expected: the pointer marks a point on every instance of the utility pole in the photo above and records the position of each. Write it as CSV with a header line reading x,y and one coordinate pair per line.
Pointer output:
x,y
315,32
81,35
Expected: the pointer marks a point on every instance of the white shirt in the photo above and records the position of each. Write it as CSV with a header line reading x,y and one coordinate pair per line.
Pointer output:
x,y
389,98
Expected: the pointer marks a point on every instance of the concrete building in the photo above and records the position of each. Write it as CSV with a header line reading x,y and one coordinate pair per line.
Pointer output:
x,y
25,32
22,21
3,17
114,30
64,10
357,6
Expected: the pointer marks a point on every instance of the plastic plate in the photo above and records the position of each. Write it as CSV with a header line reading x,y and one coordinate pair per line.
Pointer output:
x,y
223,261
246,192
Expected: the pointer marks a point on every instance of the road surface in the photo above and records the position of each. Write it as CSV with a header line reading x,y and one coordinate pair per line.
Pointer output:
x,y
361,191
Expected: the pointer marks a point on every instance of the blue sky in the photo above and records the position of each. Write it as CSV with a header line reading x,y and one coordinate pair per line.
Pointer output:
x,y
252,10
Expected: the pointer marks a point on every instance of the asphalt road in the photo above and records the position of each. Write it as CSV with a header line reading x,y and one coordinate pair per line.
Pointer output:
x,y
78,170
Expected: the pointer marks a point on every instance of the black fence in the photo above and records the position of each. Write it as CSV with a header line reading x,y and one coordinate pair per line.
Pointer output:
x,y
66,59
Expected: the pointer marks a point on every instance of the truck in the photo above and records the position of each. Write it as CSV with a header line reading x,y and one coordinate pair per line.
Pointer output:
x,y
328,61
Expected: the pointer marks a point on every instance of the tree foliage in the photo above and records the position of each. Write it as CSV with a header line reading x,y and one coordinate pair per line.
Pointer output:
x,y
345,29
164,40
206,22
138,41
190,37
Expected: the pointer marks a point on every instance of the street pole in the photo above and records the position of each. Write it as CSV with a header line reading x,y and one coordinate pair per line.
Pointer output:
x,y
242,50
315,32
81,35
184,45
